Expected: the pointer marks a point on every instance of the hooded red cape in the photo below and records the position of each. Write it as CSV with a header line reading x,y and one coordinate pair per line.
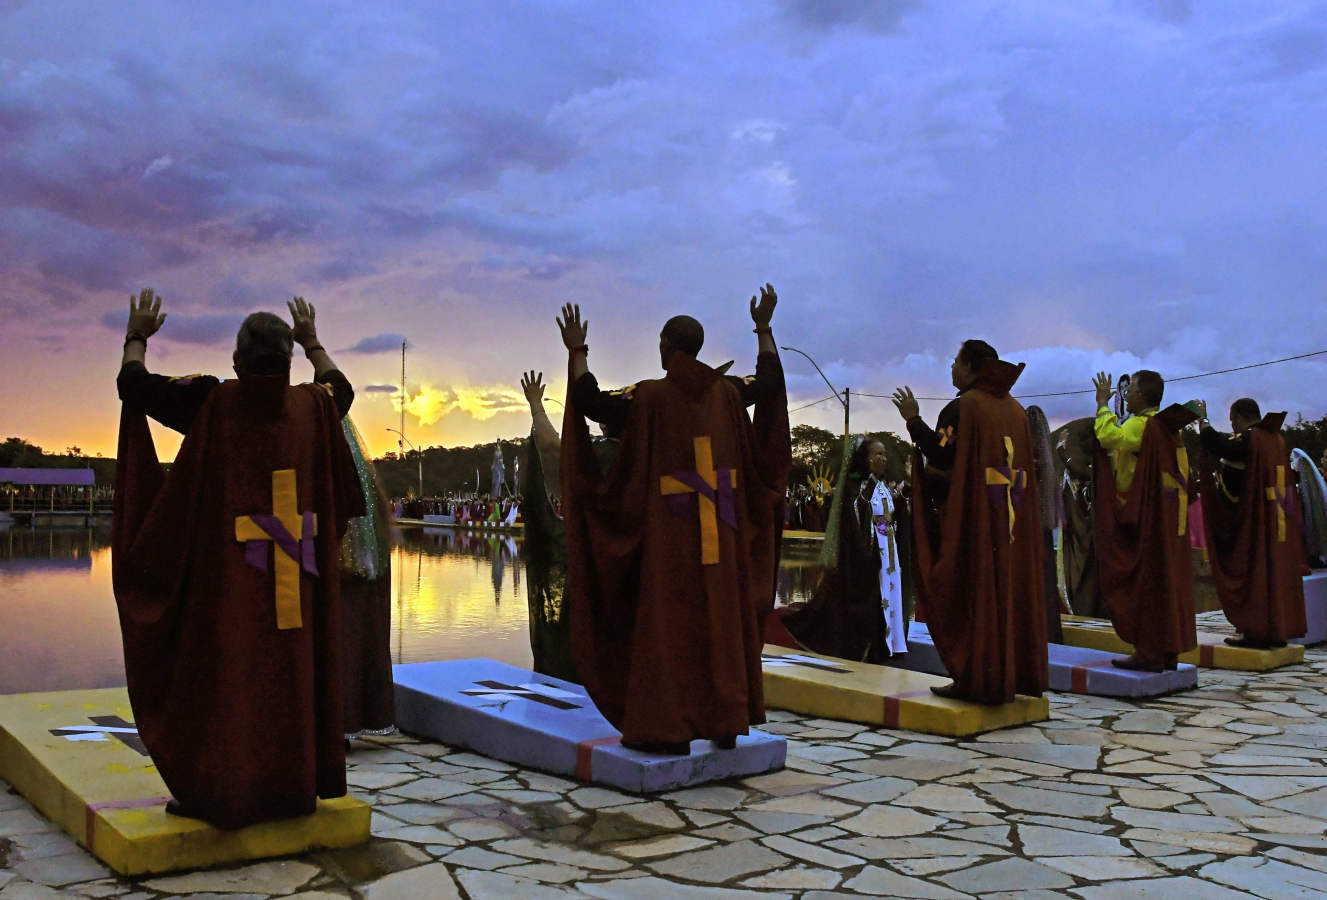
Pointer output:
x,y
1254,544
1143,556
672,555
243,719
982,580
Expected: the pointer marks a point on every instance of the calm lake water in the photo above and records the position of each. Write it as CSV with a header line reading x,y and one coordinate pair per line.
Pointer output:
x,y
454,595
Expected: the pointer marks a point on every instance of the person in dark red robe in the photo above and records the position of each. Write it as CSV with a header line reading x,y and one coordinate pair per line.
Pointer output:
x,y
1143,557
978,544
226,572
1252,520
672,554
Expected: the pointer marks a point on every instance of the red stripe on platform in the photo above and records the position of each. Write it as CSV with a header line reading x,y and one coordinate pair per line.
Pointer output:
x,y
1205,655
90,823
1078,675
585,752
892,705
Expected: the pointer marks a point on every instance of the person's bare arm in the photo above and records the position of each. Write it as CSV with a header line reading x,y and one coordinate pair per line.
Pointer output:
x,y
573,337
145,318
305,332
545,435
761,313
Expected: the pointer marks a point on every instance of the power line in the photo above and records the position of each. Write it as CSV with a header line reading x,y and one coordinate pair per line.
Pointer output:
x,y
1270,362
814,403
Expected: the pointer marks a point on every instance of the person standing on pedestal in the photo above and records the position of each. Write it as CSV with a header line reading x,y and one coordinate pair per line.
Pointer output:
x,y
226,571
672,554
1142,513
1252,519
977,527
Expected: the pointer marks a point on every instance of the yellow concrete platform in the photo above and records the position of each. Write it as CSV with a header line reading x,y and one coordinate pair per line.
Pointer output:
x,y
76,756
1212,651
833,688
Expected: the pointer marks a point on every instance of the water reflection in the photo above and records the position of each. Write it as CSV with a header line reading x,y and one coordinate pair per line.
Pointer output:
x,y
455,594
60,629
799,569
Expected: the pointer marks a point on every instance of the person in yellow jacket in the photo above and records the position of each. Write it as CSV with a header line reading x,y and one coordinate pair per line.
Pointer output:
x,y
1142,401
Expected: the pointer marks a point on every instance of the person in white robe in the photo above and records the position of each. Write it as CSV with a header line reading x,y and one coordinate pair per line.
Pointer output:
x,y
886,536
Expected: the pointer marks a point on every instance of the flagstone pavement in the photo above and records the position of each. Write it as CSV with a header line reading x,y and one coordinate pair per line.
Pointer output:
x,y
1218,793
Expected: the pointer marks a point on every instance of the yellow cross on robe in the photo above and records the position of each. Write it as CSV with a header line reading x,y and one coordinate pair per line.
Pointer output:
x,y
705,485
1277,494
285,507
1181,488
1010,479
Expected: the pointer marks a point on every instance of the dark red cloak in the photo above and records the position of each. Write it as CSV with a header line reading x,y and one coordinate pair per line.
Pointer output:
x,y
1143,556
1254,544
980,576
668,646
243,720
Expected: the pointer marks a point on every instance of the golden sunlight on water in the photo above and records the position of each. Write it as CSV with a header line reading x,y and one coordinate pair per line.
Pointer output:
x,y
456,595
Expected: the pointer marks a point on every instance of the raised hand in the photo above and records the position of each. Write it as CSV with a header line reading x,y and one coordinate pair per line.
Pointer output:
x,y
573,329
145,315
533,386
762,312
906,403
1102,382
302,325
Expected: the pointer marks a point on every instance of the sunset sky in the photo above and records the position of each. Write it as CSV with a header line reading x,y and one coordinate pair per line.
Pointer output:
x,y
1103,184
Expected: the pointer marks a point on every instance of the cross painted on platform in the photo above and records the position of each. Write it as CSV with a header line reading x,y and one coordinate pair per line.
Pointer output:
x,y
711,486
539,693
1277,494
1179,486
1006,483
290,533
102,729
796,659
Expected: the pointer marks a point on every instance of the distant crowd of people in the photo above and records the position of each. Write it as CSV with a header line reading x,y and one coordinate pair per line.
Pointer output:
x,y
460,509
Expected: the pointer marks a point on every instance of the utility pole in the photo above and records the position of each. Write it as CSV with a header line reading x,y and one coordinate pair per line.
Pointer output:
x,y
845,399
403,395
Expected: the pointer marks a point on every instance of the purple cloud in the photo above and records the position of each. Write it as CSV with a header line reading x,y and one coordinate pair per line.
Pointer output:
x,y
379,343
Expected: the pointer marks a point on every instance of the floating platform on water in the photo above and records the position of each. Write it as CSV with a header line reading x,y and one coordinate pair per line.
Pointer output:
x,y
76,756
1073,670
545,723
1212,651
1315,608
832,688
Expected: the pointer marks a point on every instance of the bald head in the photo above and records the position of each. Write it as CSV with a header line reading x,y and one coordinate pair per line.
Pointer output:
x,y
682,334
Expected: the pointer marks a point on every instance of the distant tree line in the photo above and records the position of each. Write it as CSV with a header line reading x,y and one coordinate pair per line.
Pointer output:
x,y
453,469
448,470
1309,436
19,454
816,451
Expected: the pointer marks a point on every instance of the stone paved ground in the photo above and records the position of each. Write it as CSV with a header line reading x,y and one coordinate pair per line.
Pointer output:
x,y
1218,793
